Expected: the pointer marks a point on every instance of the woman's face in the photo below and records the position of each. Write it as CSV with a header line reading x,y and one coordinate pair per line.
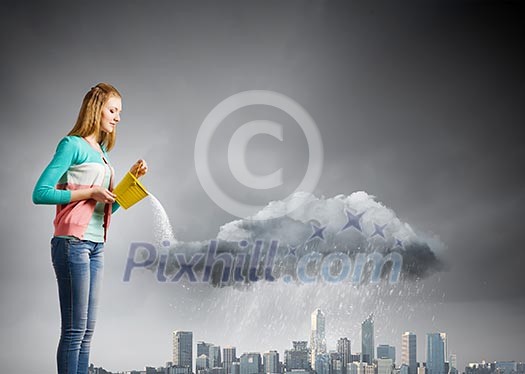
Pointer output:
x,y
110,114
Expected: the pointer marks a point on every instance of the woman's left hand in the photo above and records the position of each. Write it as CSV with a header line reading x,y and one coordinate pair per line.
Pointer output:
x,y
139,168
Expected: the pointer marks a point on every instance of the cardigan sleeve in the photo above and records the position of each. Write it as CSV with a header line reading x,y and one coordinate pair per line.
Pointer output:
x,y
45,191
114,207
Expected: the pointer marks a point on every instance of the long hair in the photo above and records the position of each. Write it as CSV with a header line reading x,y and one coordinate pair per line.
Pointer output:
x,y
88,121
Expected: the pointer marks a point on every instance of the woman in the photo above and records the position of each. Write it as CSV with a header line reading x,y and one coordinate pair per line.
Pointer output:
x,y
79,180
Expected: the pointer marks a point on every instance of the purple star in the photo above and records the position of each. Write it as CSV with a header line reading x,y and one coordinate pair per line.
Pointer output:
x,y
318,232
353,221
399,243
291,250
379,230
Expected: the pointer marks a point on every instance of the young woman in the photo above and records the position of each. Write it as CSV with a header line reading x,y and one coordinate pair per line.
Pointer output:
x,y
79,180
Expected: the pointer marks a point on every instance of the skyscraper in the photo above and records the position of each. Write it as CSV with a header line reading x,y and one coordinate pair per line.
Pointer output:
x,y
271,362
409,351
229,356
203,348
215,356
344,349
317,337
453,363
322,363
367,339
445,345
297,358
435,353
183,349
250,363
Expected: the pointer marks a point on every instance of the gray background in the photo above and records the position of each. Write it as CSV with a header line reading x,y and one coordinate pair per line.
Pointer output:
x,y
418,103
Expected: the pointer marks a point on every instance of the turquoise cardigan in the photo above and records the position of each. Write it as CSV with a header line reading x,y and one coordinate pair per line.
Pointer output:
x,y
75,165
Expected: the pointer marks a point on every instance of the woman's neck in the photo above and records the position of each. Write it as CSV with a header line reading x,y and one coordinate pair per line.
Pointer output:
x,y
91,138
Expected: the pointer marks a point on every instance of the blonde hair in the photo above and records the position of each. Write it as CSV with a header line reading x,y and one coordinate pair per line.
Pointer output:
x,y
88,121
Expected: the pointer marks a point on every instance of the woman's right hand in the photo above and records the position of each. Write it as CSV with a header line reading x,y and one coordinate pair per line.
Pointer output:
x,y
102,195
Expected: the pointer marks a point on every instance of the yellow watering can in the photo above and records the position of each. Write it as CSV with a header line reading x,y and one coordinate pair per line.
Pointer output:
x,y
129,191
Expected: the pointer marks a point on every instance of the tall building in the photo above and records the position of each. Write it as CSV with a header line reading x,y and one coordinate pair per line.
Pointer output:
x,y
183,349
317,337
453,363
344,349
367,339
322,363
203,348
386,351
215,356
445,345
409,351
271,362
298,357
229,356
435,353
250,363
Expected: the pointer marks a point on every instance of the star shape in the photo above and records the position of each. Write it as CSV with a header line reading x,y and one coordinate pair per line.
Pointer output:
x,y
291,250
379,230
318,232
353,221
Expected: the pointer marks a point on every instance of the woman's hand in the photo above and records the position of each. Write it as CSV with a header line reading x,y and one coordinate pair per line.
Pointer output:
x,y
102,195
139,168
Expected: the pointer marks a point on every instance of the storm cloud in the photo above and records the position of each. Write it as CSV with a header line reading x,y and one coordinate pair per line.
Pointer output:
x,y
271,241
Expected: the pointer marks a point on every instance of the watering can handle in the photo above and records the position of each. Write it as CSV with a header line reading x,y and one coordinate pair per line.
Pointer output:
x,y
136,173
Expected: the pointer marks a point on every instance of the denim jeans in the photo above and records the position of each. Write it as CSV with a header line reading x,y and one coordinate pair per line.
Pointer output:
x,y
79,268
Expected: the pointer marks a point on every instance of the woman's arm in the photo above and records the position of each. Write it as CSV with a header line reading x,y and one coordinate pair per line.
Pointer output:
x,y
45,191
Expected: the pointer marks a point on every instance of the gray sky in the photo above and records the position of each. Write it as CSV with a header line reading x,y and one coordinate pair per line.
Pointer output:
x,y
419,104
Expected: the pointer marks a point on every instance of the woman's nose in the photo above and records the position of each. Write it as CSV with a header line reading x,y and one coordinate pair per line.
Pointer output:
x,y
117,118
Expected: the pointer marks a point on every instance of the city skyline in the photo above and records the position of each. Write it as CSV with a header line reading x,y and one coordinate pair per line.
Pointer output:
x,y
436,347
208,360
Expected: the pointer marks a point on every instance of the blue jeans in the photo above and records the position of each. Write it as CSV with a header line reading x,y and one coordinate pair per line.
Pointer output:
x,y
79,268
